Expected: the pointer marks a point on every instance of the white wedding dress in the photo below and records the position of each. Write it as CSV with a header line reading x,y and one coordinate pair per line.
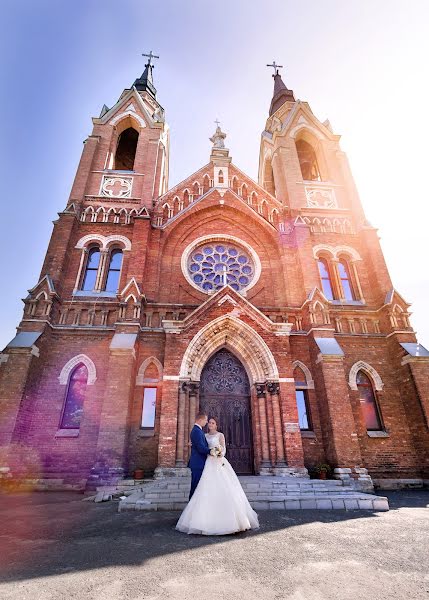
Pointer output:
x,y
219,505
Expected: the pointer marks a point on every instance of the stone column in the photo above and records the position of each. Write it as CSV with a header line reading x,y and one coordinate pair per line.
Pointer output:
x,y
187,431
274,389
180,442
270,428
265,462
193,397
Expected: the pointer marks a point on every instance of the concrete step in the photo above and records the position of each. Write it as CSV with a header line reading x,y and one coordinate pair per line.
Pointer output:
x,y
264,493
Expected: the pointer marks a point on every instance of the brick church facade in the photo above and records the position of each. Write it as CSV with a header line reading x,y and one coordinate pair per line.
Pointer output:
x,y
267,304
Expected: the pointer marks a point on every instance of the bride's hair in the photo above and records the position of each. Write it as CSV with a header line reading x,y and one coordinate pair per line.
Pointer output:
x,y
215,420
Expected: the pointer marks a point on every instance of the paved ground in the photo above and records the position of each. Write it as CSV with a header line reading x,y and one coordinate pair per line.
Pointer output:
x,y
54,546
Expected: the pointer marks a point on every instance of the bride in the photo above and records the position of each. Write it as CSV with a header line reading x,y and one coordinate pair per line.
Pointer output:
x,y
219,505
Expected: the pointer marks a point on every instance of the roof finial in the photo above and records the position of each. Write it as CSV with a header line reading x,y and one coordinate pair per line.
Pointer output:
x,y
275,67
150,56
145,82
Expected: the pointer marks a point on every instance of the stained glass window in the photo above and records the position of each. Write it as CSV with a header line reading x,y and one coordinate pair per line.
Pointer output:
x,y
73,406
302,404
114,272
91,270
325,278
149,406
301,396
368,402
343,270
211,266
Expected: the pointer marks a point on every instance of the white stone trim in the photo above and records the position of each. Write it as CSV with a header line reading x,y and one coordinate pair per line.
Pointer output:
x,y
294,131
148,361
230,332
104,241
306,371
128,113
171,377
361,365
63,377
335,251
205,239
286,380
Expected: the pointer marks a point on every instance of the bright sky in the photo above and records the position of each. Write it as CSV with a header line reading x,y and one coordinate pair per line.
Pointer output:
x,y
360,63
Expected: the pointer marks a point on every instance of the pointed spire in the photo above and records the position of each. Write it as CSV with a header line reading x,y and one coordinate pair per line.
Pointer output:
x,y
281,93
145,82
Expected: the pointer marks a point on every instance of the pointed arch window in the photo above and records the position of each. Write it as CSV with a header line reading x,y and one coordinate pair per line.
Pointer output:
x,y
206,184
307,161
302,403
114,271
126,150
345,280
368,402
91,269
220,177
325,278
75,396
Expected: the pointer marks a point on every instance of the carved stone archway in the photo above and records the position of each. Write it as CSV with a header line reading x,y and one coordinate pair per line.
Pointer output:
x,y
230,332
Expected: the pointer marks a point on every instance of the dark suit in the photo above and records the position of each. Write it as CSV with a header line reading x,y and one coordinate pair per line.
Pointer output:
x,y
199,451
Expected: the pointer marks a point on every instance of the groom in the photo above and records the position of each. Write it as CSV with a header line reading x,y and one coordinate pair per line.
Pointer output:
x,y
199,451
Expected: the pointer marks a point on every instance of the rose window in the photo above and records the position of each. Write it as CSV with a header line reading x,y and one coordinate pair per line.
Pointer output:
x,y
211,266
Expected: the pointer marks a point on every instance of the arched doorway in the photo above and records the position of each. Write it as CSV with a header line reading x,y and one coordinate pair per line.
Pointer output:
x,y
225,394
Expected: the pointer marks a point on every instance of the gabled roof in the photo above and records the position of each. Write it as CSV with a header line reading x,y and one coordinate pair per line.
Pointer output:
x,y
310,121
393,297
237,304
130,95
45,284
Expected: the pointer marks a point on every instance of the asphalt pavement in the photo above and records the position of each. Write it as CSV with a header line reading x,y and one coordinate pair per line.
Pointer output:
x,y
56,546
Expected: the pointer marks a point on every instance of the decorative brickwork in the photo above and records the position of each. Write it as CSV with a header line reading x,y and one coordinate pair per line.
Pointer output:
x,y
160,327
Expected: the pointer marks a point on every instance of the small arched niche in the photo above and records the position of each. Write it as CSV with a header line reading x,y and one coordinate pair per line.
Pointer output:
x,y
268,177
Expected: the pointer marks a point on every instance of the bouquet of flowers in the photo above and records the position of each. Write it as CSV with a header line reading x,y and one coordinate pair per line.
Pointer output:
x,y
216,451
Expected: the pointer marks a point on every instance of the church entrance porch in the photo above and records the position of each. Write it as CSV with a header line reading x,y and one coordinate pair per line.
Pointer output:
x,y
225,395
228,369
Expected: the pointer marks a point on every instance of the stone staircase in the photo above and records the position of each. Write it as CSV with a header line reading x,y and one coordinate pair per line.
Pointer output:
x,y
263,492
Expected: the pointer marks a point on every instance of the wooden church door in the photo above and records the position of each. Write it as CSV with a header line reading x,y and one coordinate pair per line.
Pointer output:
x,y
225,395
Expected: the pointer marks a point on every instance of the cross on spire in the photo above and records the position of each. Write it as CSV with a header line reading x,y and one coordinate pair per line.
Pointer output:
x,y
275,67
150,56
217,122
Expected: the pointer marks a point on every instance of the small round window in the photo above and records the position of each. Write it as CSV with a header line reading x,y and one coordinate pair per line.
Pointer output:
x,y
211,266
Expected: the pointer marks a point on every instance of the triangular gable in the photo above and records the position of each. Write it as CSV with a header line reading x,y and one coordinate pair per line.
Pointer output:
x,y
130,104
394,297
301,116
131,289
235,304
44,285
254,213
314,296
144,213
